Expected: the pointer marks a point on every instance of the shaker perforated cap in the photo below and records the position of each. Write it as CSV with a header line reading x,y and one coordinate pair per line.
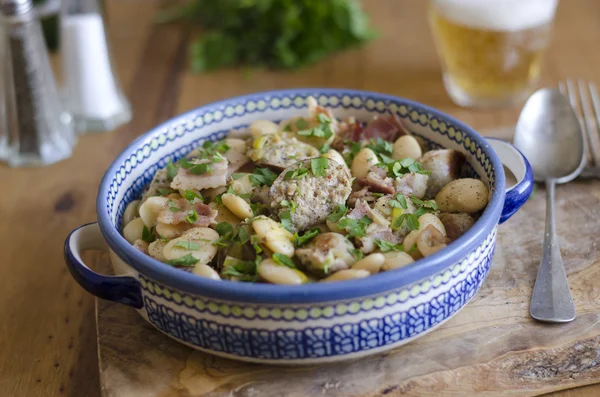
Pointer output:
x,y
15,7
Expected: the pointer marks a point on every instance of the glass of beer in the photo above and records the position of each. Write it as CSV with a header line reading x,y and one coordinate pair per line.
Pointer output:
x,y
491,50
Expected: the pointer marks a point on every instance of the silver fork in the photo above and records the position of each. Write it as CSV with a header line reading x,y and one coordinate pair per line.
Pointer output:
x,y
585,100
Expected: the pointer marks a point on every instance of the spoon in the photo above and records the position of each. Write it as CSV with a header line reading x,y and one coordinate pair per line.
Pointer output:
x,y
548,133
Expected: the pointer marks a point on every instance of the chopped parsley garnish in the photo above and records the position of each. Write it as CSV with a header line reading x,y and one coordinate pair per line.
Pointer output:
x,y
193,168
283,260
244,270
172,206
296,174
398,202
218,157
148,235
263,176
323,130
354,148
192,216
286,220
229,234
164,191
300,240
242,235
224,228
188,260
323,118
301,124
171,170
381,146
386,246
287,127
289,204
355,227
405,166
237,175
424,206
325,148
411,221
340,211
319,165
213,149
191,195
187,245
358,254
377,195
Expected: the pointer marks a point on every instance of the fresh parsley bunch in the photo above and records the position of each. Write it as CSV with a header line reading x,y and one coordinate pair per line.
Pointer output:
x,y
280,34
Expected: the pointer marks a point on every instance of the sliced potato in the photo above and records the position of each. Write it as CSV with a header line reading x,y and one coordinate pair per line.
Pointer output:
x,y
463,195
200,238
133,230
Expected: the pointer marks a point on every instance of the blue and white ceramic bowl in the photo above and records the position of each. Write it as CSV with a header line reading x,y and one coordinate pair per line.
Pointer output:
x,y
311,323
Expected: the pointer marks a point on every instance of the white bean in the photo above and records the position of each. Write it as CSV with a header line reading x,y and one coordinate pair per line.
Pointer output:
x,y
201,237
262,127
410,242
172,231
348,274
131,212
430,219
406,147
141,245
371,263
237,205
133,230
364,160
274,273
204,270
224,215
274,235
150,209
155,250
395,260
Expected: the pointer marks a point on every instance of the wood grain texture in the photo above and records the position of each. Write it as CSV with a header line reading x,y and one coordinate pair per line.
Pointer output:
x,y
47,336
492,348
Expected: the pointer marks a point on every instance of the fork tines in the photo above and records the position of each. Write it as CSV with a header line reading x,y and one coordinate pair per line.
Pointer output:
x,y
584,99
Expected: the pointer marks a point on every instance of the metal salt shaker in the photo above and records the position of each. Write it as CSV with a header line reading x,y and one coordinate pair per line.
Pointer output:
x,y
38,130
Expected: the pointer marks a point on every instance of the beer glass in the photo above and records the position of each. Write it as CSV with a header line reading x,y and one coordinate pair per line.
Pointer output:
x,y
491,50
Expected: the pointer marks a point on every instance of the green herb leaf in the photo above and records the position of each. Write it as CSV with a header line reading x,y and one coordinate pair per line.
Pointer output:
x,y
237,175
300,240
289,204
224,228
301,124
199,169
323,118
296,174
386,246
325,148
319,165
191,195
286,220
218,157
172,206
405,166
283,260
355,227
171,170
340,211
187,245
165,191
358,254
402,200
192,216
263,176
187,260
242,235
148,235
381,146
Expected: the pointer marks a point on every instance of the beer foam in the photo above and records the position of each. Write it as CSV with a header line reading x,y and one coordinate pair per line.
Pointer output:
x,y
502,15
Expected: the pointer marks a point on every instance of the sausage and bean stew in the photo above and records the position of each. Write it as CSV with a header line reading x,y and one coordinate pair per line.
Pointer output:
x,y
311,199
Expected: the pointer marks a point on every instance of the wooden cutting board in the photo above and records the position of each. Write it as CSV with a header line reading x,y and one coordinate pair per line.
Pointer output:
x,y
491,348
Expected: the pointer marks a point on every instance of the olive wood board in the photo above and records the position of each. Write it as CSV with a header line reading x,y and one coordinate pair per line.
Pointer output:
x,y
490,348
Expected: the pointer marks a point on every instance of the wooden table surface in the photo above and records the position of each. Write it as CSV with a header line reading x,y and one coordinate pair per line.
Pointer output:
x,y
47,322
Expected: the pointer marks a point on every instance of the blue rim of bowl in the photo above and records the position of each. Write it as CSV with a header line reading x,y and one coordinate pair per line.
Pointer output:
x,y
306,293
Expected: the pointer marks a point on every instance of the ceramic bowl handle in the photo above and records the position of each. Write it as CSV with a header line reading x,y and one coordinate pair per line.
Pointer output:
x,y
516,162
121,289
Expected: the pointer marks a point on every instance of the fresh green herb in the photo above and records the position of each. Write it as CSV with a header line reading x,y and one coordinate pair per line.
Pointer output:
x,y
188,260
244,270
411,221
355,227
385,159
319,165
323,118
325,148
242,235
358,254
171,170
191,195
200,169
300,240
296,174
288,127
424,206
263,176
164,191
192,216
218,157
289,204
172,206
340,211
148,235
398,202
301,124
405,166
286,220
224,228
377,195
277,33
187,245
283,260
381,146
386,246
213,149
237,175
412,249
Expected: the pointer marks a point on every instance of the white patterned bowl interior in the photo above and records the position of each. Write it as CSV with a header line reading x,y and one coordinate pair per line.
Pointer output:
x,y
293,324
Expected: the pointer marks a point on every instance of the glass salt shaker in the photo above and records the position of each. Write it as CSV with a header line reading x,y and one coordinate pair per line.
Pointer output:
x,y
92,90
38,130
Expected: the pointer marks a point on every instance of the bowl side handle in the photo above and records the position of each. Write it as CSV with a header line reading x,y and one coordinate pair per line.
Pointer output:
x,y
517,163
121,289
